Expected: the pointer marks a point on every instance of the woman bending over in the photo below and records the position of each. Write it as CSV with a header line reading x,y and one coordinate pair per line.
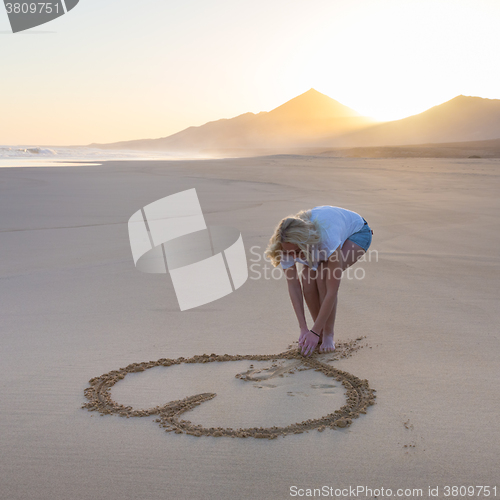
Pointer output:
x,y
326,240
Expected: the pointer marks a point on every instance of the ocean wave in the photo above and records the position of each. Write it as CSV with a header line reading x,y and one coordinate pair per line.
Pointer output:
x,y
82,153
24,152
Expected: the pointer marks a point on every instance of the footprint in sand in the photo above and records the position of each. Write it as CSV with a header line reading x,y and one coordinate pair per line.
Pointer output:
x,y
268,373
329,388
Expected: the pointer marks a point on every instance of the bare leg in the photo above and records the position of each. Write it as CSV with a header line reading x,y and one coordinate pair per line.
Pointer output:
x,y
327,343
310,290
351,252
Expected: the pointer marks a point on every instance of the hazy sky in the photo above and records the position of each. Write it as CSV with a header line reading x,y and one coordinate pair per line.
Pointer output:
x,y
115,70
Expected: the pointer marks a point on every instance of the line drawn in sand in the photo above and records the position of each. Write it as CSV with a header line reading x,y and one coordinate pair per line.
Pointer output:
x,y
359,396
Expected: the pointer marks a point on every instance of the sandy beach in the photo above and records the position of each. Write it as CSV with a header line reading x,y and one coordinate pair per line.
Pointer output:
x,y
425,313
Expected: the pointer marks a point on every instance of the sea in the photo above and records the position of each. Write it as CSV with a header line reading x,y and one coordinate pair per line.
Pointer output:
x,y
37,156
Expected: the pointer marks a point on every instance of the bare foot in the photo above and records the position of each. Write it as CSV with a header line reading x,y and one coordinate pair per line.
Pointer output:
x,y
327,343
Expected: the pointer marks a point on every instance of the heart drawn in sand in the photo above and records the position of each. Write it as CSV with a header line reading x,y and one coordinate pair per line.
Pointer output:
x,y
358,396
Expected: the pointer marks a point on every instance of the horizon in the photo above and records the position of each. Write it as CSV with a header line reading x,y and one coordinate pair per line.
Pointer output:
x,y
258,112
215,120
100,88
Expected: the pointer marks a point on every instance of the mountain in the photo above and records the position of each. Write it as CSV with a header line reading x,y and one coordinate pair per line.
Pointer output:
x,y
314,120
463,118
304,120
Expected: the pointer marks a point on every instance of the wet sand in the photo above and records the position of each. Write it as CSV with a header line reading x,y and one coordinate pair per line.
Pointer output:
x,y
74,308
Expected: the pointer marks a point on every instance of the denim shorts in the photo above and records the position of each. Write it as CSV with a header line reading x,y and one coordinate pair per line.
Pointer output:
x,y
363,237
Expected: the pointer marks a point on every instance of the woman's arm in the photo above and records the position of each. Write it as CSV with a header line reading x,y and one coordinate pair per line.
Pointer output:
x,y
296,296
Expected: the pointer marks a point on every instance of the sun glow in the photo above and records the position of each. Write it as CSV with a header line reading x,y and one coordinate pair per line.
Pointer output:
x,y
159,71
392,59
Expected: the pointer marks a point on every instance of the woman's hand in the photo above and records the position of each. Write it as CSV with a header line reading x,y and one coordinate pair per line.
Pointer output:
x,y
309,343
303,333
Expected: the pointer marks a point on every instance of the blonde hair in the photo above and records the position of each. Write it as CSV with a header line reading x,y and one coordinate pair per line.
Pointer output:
x,y
298,229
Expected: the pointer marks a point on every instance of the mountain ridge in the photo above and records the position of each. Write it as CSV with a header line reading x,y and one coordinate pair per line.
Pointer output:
x,y
306,117
460,119
313,119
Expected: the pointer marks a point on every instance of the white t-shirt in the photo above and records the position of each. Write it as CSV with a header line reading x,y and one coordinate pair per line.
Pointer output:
x,y
337,224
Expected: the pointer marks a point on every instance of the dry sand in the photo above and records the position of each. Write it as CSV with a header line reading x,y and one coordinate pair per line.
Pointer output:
x,y
74,307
